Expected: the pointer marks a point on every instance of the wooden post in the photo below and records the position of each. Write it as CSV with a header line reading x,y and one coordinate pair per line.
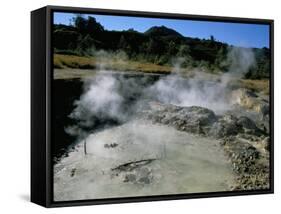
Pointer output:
x,y
85,147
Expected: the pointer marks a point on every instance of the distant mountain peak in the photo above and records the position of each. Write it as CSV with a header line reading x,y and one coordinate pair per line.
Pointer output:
x,y
162,31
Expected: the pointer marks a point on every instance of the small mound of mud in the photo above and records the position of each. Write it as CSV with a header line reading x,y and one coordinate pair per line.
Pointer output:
x,y
192,119
199,120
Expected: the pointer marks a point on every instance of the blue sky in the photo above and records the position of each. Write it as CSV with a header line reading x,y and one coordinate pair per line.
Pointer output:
x,y
239,34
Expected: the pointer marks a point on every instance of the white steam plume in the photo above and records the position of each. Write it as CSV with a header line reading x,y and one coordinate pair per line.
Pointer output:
x,y
202,89
107,96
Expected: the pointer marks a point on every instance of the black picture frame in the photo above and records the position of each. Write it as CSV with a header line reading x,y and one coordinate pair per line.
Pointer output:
x,y
41,105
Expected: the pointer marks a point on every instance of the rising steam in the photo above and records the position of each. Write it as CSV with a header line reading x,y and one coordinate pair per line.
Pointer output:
x,y
108,97
203,89
101,98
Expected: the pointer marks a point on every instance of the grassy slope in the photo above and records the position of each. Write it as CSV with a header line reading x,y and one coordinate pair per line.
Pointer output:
x,y
256,85
70,66
78,62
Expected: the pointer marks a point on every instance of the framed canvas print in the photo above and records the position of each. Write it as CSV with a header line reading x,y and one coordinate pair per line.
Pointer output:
x,y
134,106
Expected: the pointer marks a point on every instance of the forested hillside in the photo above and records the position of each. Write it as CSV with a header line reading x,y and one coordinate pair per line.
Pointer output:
x,y
158,45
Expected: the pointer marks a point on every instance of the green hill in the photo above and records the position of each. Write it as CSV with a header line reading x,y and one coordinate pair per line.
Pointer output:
x,y
158,45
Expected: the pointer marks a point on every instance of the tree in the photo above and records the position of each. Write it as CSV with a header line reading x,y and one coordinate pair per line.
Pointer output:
x,y
172,48
86,44
80,23
123,44
221,59
93,26
151,46
184,51
132,30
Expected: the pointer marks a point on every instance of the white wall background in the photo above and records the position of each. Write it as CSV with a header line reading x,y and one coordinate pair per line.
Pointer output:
x,y
15,105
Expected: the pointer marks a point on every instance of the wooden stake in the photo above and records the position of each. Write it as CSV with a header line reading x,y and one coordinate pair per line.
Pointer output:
x,y
85,147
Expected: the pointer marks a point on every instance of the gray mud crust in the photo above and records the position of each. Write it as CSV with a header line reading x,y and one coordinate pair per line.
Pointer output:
x,y
140,159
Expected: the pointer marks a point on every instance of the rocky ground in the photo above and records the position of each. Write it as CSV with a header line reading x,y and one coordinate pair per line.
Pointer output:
x,y
246,141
